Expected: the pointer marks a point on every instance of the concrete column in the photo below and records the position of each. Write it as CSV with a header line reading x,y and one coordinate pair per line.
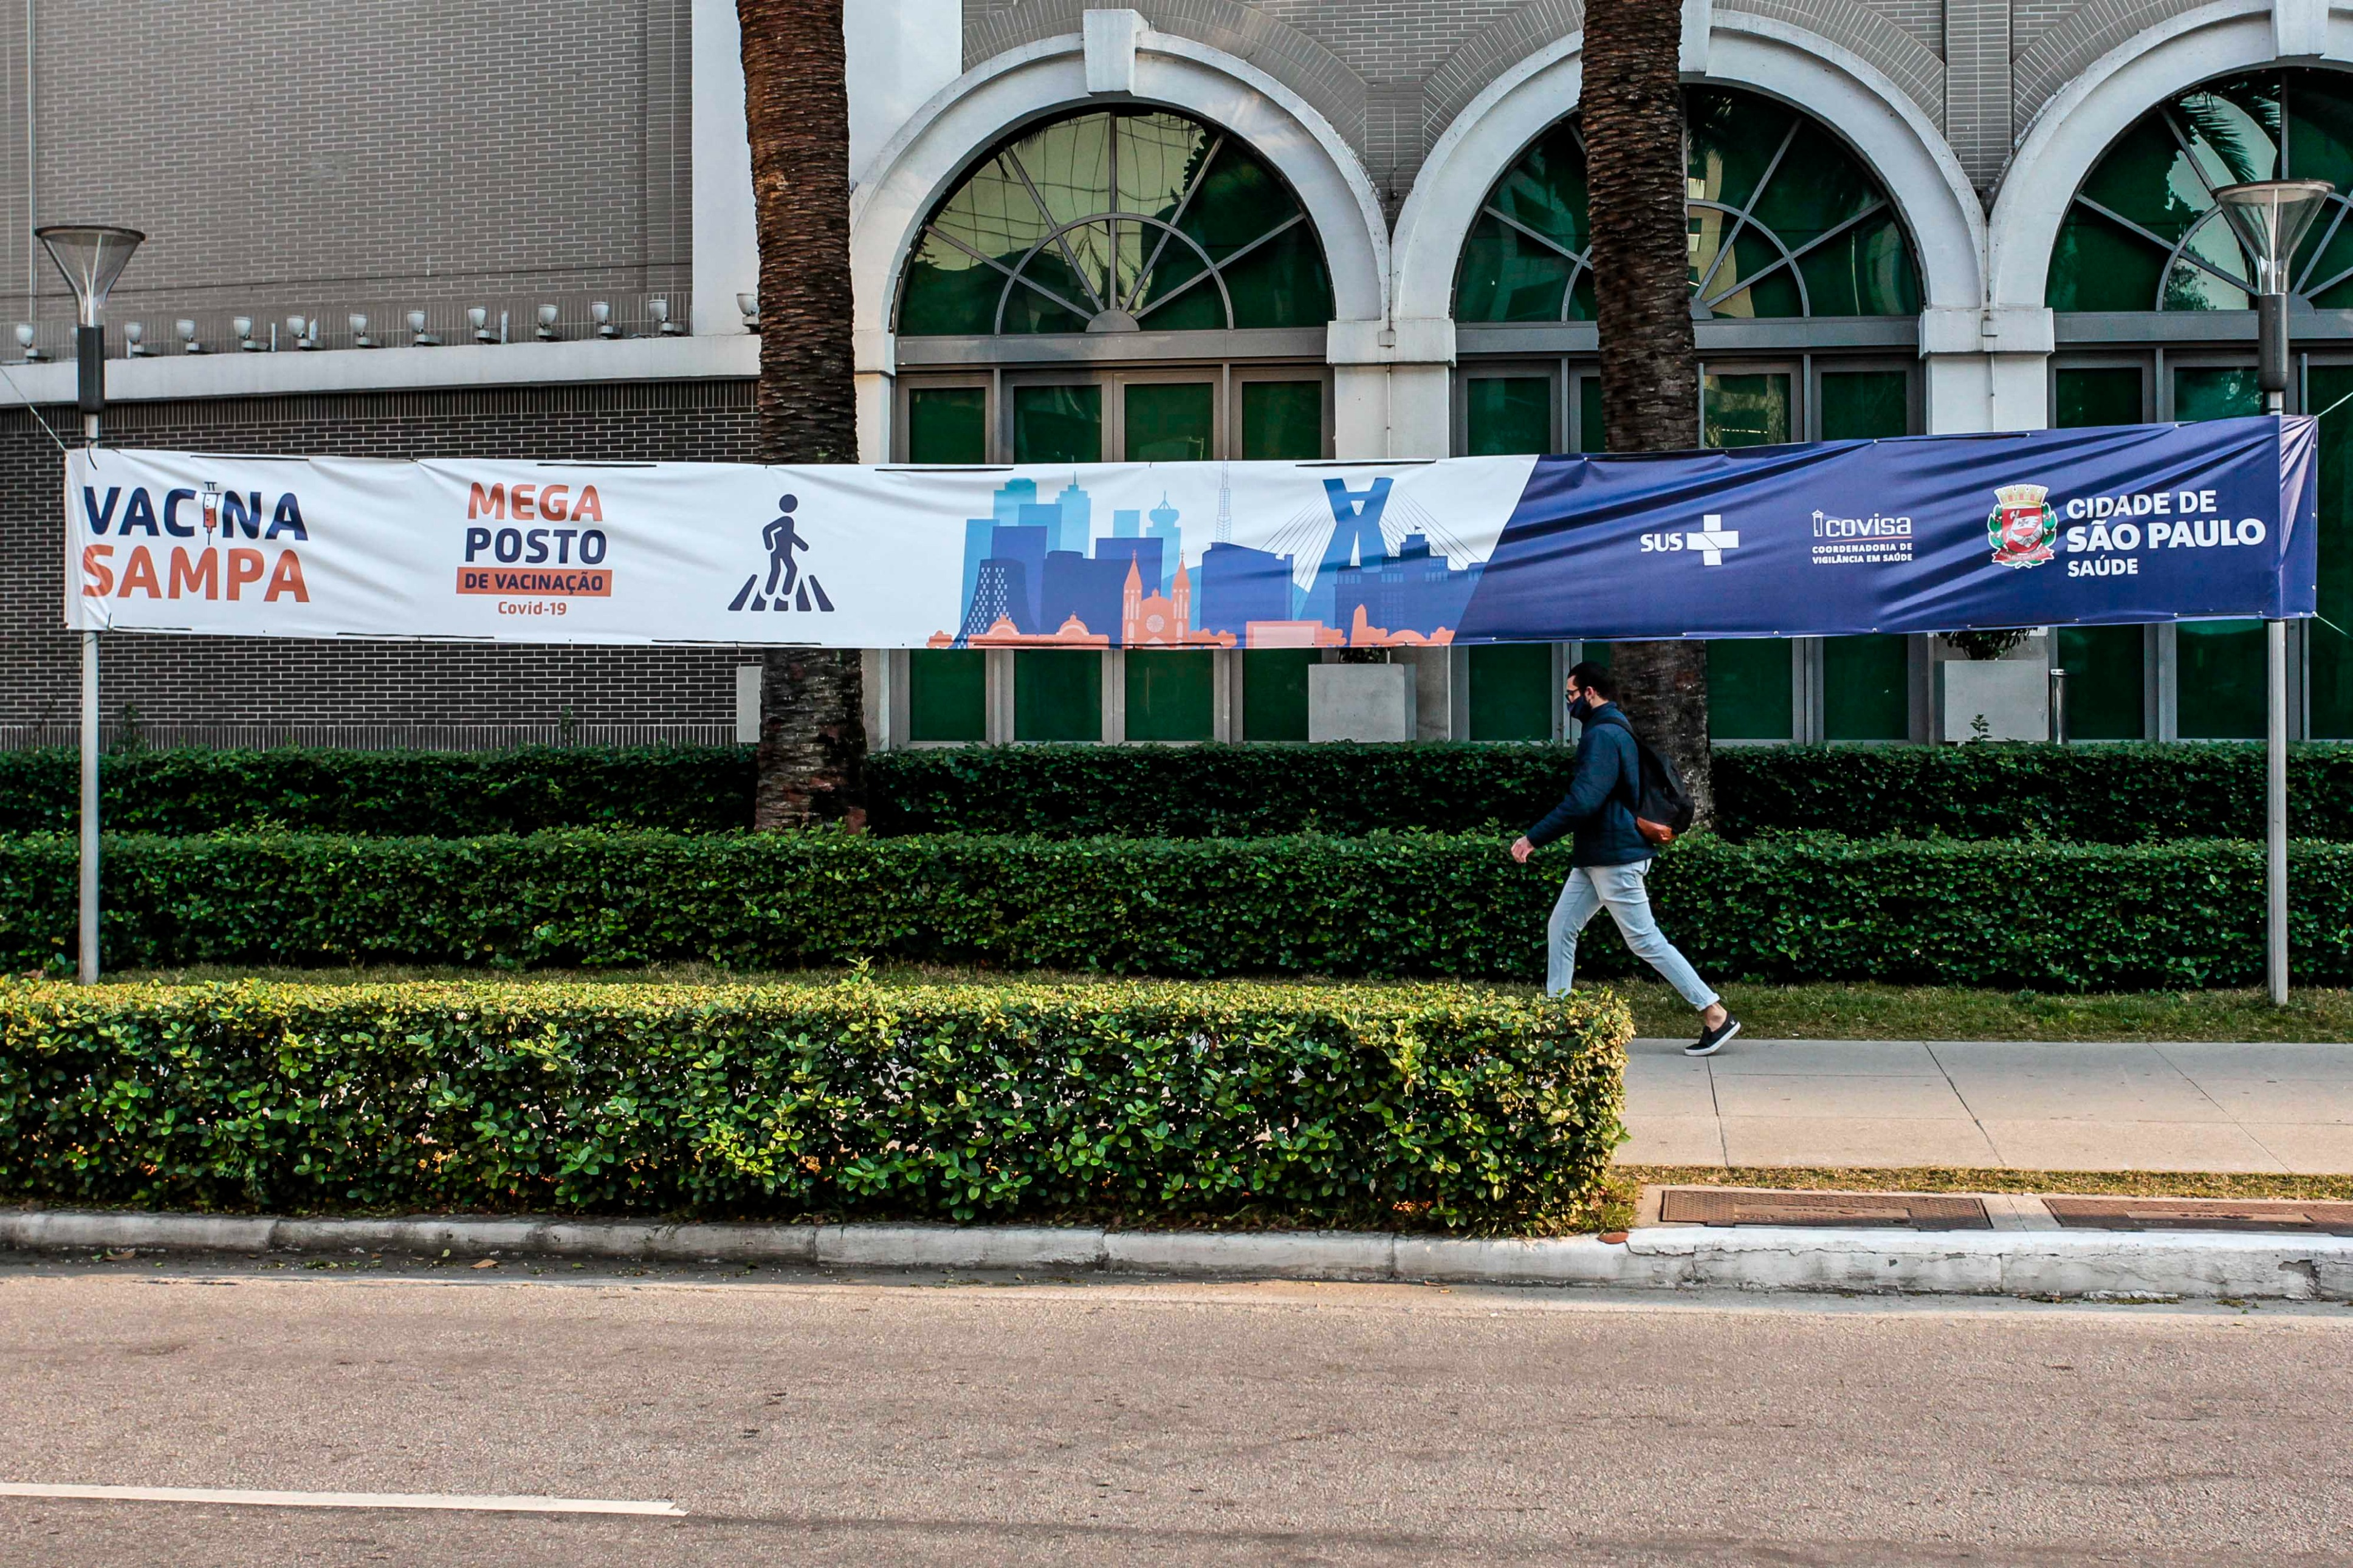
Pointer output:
x,y
726,239
1442,692
874,358
1986,370
1392,386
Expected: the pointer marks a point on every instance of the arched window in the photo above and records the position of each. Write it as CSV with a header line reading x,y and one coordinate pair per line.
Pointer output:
x,y
1123,284
1785,221
2141,255
1805,288
1116,221
2144,233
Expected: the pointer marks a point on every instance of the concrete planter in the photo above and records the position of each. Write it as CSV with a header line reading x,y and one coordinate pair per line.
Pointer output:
x,y
2012,696
1360,702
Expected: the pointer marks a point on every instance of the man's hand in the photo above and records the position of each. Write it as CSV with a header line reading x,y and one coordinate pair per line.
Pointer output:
x,y
1521,849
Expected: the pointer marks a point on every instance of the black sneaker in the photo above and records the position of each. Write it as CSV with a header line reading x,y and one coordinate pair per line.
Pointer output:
x,y
1711,1041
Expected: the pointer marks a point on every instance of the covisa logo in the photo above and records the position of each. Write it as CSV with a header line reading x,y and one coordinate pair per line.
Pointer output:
x,y
218,568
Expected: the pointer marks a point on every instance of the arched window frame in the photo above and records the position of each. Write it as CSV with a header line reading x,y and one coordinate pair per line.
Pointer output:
x,y
1106,310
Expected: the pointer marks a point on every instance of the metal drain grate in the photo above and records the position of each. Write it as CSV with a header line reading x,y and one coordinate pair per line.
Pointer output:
x,y
2203,1214
1908,1211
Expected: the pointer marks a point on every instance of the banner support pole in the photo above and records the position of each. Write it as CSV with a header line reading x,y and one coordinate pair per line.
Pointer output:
x,y
92,347
88,968
2275,814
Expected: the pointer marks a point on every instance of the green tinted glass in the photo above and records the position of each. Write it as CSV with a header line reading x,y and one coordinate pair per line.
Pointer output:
x,y
1280,284
947,425
2215,393
1733,141
2221,681
2142,233
1171,694
1170,422
1745,410
1513,695
1058,424
1057,695
1283,420
1507,414
1865,405
1866,688
1748,690
2330,651
1765,183
1509,276
2107,685
1119,212
2108,396
947,694
1274,693
1590,436
2099,266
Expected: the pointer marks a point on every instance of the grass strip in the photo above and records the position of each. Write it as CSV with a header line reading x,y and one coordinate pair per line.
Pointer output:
x,y
1967,1179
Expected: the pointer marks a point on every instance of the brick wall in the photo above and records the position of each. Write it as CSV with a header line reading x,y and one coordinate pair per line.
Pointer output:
x,y
310,157
270,681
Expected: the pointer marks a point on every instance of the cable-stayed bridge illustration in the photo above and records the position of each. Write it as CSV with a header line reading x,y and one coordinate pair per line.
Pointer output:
x,y
1363,566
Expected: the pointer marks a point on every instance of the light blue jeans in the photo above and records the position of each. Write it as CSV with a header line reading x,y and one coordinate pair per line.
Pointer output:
x,y
1625,889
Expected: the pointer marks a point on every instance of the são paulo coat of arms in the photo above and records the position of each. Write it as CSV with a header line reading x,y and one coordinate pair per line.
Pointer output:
x,y
2022,525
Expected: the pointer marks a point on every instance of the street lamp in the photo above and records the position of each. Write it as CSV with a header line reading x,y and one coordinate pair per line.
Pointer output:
x,y
91,255
2270,216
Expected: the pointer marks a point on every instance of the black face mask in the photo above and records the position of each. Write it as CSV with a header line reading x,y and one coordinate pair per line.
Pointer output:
x,y
1583,707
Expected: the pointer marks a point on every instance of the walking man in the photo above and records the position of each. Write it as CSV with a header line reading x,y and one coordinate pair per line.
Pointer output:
x,y
1612,858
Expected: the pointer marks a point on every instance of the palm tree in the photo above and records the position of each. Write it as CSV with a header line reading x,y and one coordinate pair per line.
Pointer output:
x,y
1633,112
797,107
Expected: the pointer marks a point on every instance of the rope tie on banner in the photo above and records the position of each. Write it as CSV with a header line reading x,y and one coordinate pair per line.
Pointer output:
x,y
2334,406
33,411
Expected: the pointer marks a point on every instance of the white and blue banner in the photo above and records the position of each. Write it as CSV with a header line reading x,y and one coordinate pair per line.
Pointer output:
x,y
1932,533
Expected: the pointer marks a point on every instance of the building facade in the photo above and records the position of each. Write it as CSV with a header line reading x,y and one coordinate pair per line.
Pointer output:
x,y
1196,229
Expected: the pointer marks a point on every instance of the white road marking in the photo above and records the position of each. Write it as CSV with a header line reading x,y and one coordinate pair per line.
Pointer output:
x,y
661,1507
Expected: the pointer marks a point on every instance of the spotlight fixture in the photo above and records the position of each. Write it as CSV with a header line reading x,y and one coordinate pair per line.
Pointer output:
x,y
24,335
188,331
659,309
306,334
748,305
135,334
360,340
601,313
243,326
547,332
478,318
419,336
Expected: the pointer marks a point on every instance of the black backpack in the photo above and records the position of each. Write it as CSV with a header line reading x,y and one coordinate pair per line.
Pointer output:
x,y
1665,806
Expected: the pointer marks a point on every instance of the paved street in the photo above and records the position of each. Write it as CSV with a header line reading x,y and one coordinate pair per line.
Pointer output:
x,y
801,1420
2035,1106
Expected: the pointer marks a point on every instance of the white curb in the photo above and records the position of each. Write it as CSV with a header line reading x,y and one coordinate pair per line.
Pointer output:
x,y
2189,1265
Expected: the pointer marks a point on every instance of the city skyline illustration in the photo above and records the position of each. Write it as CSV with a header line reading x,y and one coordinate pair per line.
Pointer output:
x,y
1361,567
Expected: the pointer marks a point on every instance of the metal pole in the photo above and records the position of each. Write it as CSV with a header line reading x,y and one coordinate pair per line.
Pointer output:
x,y
87,967
2275,814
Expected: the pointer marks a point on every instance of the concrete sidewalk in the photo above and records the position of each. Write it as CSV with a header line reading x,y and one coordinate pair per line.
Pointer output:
x,y
2022,1105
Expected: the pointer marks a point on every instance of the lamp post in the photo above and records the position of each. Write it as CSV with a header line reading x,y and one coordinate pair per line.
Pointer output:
x,y
91,255
2270,216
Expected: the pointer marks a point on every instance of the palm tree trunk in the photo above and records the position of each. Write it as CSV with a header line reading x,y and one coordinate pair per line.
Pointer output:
x,y
1633,112
796,108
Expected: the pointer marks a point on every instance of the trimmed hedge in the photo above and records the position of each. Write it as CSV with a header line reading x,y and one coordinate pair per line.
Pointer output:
x,y
683,789
962,1102
1794,908
2107,794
